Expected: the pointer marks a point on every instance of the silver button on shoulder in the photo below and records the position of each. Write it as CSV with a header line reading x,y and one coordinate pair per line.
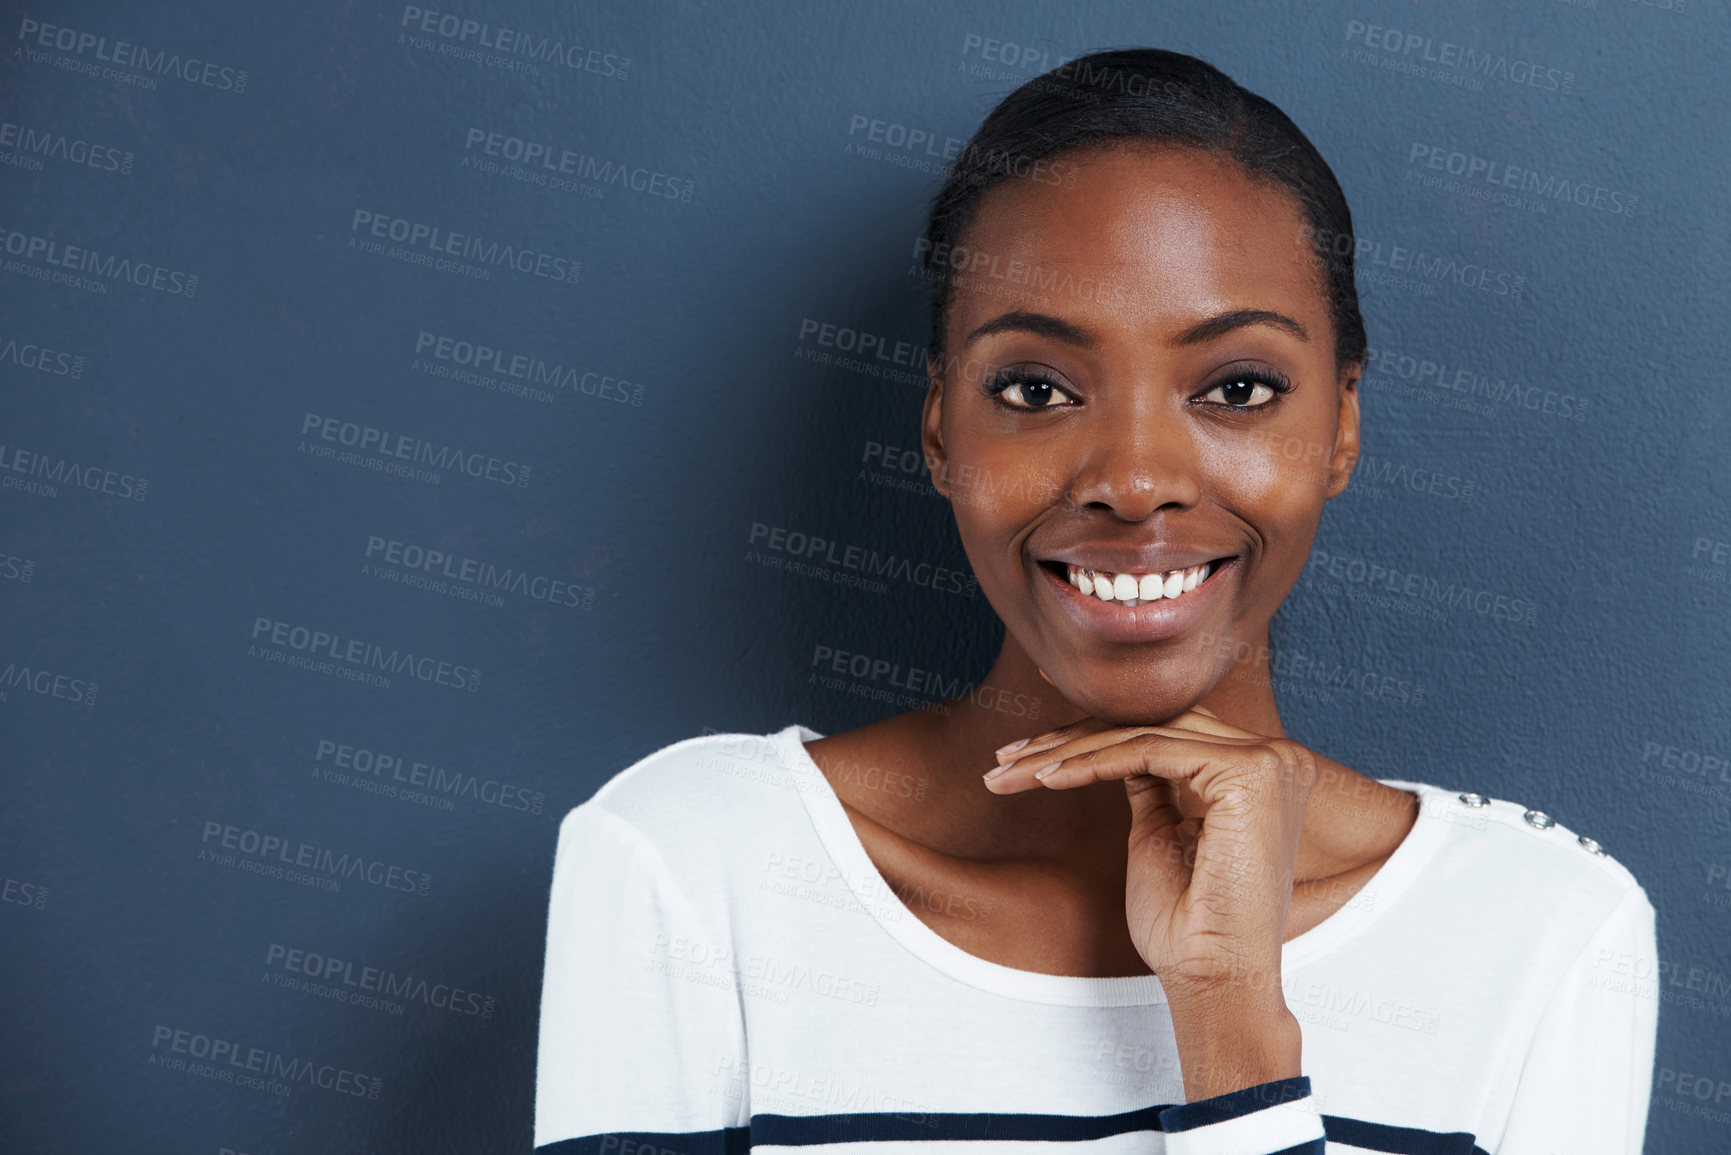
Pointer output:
x,y
1475,800
1589,845
1539,820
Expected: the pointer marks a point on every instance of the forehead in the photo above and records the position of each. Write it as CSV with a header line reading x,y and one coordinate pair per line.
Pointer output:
x,y
1156,237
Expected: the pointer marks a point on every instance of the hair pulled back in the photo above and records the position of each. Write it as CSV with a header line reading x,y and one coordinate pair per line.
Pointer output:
x,y
1153,96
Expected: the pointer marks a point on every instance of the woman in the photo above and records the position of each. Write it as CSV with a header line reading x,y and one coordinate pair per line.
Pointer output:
x,y
1162,925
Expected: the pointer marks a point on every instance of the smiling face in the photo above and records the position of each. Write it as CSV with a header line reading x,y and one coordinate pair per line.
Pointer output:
x,y
1139,377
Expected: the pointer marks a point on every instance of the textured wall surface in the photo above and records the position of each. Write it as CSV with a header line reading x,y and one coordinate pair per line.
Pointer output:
x,y
371,491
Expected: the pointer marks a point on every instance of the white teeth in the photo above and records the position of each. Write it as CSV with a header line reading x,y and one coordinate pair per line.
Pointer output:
x,y
1134,589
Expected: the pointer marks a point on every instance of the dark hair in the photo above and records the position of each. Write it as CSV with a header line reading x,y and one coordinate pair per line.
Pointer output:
x,y
1155,96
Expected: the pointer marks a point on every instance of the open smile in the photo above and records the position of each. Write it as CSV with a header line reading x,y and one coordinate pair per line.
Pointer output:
x,y
1135,607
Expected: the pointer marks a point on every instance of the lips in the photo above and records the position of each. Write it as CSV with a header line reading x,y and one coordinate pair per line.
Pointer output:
x,y
1115,559
1134,588
1138,620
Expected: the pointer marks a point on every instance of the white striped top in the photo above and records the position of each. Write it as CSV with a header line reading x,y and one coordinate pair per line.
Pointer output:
x,y
726,971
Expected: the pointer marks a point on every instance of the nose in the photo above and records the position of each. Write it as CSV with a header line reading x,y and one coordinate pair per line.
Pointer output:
x,y
1136,462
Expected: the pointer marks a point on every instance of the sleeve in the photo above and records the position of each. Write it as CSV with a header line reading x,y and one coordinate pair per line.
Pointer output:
x,y
1584,1085
1277,1118
1587,1080
641,1041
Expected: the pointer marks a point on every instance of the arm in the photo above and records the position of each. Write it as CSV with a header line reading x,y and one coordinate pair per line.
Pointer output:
x,y
1206,899
640,1037
1587,1079
1241,1062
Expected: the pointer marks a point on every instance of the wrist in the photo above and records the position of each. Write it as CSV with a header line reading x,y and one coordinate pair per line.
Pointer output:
x,y
1232,1039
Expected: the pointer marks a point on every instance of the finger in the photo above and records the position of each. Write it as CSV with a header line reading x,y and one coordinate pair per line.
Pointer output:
x,y
1197,719
1049,738
1024,771
1017,771
1201,721
1160,836
1209,764
1174,756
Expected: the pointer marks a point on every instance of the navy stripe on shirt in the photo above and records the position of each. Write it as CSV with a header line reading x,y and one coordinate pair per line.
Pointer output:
x,y
887,1126
1403,1140
1233,1104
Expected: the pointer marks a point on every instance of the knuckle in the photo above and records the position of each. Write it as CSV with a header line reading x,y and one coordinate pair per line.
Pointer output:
x,y
1297,762
1145,743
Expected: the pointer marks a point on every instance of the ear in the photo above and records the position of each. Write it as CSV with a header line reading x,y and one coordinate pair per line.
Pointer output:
x,y
1345,455
932,428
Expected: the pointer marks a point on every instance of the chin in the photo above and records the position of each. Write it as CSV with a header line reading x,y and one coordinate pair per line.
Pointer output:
x,y
1134,701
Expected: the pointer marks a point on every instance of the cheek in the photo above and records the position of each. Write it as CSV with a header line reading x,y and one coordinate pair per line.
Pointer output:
x,y
1279,489
997,483
1279,469
998,488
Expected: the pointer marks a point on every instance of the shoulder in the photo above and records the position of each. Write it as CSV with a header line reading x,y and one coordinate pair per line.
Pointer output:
x,y
694,799
1516,861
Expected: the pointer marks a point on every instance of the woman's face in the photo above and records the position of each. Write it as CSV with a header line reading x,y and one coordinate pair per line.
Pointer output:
x,y
1110,400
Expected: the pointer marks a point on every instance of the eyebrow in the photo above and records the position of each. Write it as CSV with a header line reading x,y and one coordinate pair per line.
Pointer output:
x,y
1226,322
1046,325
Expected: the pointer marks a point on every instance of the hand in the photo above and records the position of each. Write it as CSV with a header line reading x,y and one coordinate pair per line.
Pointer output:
x,y
1206,897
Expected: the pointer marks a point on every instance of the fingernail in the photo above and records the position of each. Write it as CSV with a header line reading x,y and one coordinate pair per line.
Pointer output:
x,y
1012,747
1045,770
993,773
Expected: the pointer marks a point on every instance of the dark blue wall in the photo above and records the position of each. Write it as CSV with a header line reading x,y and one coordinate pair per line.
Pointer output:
x,y
190,203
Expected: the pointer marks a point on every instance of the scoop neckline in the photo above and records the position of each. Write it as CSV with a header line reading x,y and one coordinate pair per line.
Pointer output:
x,y
843,843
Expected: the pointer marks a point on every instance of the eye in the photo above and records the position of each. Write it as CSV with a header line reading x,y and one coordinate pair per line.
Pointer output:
x,y
1026,389
1248,389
